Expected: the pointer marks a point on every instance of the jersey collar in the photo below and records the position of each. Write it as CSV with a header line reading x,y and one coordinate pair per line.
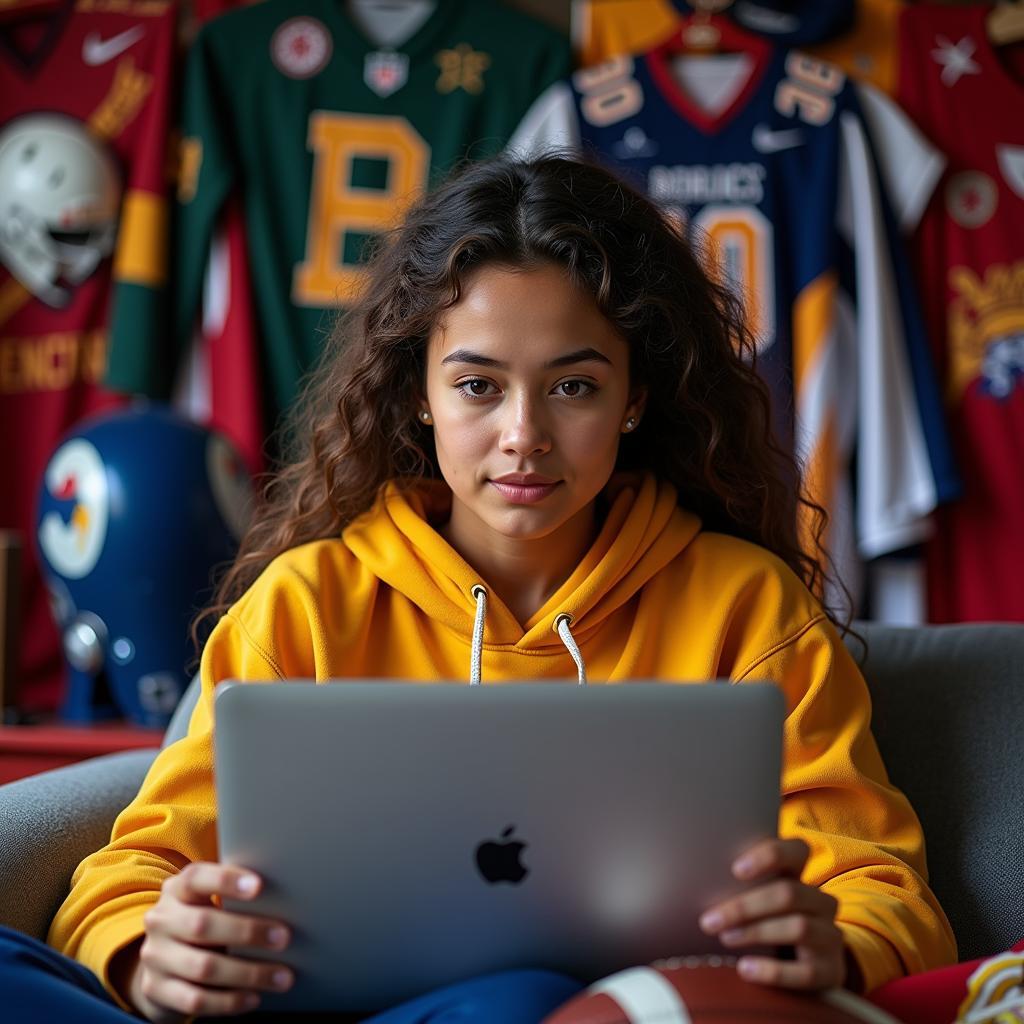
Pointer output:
x,y
657,61
350,38
53,17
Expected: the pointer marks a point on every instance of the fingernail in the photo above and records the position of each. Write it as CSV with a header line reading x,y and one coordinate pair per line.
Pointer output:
x,y
281,979
731,935
712,921
744,867
277,937
247,884
749,969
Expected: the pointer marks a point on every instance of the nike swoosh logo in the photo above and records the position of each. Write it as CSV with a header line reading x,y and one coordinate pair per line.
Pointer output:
x,y
767,141
96,51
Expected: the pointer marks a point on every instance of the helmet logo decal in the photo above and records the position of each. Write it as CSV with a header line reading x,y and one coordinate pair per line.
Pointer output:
x,y
76,475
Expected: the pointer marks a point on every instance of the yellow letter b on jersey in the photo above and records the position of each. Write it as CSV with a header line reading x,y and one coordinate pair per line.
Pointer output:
x,y
336,206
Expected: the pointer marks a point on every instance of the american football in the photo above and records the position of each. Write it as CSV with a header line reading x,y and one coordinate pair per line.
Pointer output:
x,y
701,990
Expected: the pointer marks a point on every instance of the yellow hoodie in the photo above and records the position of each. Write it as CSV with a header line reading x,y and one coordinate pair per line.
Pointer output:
x,y
654,597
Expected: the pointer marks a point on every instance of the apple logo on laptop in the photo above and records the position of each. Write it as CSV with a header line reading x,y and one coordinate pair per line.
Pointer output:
x,y
500,862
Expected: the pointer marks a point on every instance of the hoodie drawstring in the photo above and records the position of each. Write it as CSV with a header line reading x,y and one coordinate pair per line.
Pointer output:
x,y
478,634
561,627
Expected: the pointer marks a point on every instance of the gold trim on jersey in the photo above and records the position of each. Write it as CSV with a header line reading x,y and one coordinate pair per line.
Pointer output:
x,y
813,331
813,315
127,94
190,161
141,256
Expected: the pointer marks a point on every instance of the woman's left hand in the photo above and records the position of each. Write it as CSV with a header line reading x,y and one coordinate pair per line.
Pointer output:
x,y
782,912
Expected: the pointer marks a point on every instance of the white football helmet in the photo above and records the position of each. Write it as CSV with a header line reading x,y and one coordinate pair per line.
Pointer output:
x,y
60,190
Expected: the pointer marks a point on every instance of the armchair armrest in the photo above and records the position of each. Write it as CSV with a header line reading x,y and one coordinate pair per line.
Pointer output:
x,y
49,822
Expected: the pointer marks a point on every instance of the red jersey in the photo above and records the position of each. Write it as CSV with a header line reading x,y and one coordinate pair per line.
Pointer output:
x,y
222,382
969,99
84,102
989,990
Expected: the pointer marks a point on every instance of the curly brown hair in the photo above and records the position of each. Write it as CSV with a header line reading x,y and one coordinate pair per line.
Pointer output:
x,y
707,426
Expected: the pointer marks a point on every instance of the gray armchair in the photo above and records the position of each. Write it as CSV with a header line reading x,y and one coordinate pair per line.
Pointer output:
x,y
948,717
51,821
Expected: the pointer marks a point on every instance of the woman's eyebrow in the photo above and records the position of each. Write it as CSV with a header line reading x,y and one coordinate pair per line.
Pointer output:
x,y
464,355
584,355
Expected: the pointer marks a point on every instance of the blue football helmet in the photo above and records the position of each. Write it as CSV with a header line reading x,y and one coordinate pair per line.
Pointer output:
x,y
136,510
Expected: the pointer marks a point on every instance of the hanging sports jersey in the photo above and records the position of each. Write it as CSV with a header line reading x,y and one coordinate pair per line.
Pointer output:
x,y
860,38
220,383
782,182
969,99
328,139
84,98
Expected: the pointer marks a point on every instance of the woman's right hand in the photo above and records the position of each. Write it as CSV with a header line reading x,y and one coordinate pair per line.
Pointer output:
x,y
181,969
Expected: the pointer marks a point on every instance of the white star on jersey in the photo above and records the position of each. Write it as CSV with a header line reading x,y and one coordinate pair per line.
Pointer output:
x,y
956,59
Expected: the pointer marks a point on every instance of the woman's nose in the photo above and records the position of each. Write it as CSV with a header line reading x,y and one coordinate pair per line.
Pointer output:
x,y
524,429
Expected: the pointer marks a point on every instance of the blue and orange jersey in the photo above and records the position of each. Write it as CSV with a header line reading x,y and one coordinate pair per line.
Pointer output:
x,y
764,156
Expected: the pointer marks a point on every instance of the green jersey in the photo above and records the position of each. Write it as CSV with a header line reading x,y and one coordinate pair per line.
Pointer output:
x,y
328,138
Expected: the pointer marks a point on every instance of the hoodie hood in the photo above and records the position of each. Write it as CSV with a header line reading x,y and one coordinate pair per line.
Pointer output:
x,y
644,529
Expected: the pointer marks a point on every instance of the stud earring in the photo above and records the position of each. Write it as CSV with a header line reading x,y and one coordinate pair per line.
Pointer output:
x,y
425,416
631,423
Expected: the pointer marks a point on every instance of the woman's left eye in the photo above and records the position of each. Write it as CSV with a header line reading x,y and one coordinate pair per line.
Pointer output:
x,y
575,388
475,387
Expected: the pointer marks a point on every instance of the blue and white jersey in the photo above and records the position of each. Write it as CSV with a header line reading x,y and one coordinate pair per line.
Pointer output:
x,y
765,157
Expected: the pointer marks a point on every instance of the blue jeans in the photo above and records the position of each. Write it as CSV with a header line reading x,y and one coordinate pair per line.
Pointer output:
x,y
39,984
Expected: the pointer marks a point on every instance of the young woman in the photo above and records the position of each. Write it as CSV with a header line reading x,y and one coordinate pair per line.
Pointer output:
x,y
543,421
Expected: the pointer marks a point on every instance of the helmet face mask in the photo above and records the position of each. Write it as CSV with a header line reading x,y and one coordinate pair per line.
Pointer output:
x,y
60,193
79,252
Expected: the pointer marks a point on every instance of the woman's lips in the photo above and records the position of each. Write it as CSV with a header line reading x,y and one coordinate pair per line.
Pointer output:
x,y
524,494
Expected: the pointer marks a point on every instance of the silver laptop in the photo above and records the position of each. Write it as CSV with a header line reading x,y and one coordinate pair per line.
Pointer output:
x,y
414,835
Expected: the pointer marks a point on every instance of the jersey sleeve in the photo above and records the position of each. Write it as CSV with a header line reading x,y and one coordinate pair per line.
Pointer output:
x,y
221,379
904,463
909,164
910,168
138,318
207,173
551,125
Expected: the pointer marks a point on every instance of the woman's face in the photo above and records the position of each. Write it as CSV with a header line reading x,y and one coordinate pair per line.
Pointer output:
x,y
528,390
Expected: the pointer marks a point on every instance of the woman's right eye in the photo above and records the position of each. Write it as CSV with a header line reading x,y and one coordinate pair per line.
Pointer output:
x,y
475,387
